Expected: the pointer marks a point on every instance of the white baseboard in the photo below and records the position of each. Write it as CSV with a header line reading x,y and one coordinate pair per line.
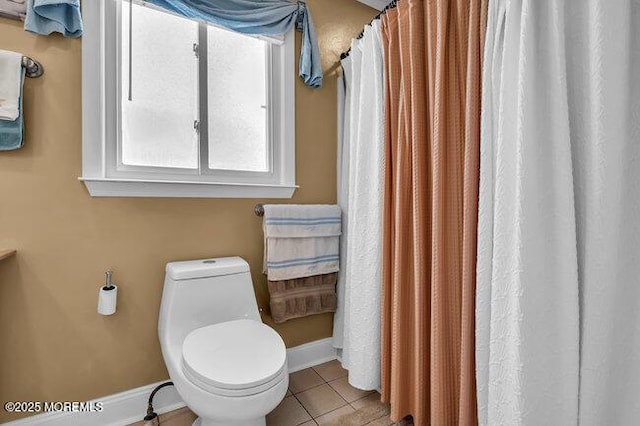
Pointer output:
x,y
118,409
130,406
310,354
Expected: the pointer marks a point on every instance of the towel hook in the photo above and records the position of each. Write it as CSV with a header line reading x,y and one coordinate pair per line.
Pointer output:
x,y
32,68
259,210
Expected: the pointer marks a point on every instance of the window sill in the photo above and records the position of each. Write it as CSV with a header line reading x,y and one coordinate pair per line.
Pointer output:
x,y
108,187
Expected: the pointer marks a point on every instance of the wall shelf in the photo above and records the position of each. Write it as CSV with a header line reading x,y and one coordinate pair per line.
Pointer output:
x,y
6,253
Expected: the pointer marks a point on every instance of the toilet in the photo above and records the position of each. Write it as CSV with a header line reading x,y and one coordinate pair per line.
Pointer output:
x,y
228,367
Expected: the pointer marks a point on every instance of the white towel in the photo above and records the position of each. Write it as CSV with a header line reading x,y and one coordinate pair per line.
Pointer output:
x,y
301,240
10,84
302,220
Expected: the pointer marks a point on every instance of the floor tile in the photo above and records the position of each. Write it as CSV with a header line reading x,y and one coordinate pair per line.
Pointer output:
x,y
346,391
288,413
373,398
288,393
303,380
331,418
330,370
320,400
181,417
382,421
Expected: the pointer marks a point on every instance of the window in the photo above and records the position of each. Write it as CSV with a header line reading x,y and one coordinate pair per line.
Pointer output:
x,y
178,108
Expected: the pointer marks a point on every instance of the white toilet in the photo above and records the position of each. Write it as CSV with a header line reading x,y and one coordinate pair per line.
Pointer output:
x,y
228,367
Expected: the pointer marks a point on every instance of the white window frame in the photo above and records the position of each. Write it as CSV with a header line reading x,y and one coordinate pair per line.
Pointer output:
x,y
102,174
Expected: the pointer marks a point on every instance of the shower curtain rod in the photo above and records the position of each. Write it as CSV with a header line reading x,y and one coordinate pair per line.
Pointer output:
x,y
391,5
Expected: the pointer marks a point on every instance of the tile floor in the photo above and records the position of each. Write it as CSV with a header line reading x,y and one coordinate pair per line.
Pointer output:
x,y
317,396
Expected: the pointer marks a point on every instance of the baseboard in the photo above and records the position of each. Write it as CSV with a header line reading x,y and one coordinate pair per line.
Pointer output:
x,y
310,354
118,409
129,407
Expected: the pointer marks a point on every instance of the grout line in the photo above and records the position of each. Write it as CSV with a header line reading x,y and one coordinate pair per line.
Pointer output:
x,y
312,387
314,422
378,418
303,407
316,371
338,393
335,409
334,379
300,402
314,418
341,397
360,399
325,382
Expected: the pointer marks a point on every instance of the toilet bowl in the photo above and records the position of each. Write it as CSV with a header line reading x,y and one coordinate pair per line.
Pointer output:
x,y
228,367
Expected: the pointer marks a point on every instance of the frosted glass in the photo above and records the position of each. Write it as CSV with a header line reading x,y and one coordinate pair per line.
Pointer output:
x,y
237,102
157,125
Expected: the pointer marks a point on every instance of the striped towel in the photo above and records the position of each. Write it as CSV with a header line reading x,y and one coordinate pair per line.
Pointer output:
x,y
301,240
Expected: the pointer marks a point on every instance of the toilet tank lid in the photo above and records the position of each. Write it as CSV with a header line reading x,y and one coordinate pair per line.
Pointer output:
x,y
203,268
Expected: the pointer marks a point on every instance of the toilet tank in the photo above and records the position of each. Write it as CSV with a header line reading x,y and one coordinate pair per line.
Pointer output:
x,y
202,292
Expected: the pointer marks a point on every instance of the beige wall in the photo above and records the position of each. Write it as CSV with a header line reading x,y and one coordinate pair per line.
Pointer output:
x,y
53,345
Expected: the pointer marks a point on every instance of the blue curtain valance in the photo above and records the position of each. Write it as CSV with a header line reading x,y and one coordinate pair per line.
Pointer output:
x,y
263,17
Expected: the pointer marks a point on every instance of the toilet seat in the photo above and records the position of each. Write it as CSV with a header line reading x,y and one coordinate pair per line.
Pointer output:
x,y
234,358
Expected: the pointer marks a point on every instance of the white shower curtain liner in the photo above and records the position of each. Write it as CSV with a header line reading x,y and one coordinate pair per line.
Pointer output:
x,y
558,273
360,194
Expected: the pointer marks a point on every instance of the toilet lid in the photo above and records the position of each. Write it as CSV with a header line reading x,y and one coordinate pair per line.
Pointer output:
x,y
234,355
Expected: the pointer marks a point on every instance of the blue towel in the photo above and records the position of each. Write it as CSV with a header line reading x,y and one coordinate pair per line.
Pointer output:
x,y
47,16
11,132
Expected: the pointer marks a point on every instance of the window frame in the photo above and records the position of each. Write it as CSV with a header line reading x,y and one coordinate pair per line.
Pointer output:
x,y
101,84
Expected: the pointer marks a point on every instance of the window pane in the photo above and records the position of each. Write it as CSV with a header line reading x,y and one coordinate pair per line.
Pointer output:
x,y
237,102
157,124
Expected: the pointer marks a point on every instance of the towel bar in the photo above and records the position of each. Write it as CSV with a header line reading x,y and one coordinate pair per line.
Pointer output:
x,y
33,68
259,210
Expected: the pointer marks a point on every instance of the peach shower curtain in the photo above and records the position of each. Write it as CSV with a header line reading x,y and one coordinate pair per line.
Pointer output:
x,y
433,53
